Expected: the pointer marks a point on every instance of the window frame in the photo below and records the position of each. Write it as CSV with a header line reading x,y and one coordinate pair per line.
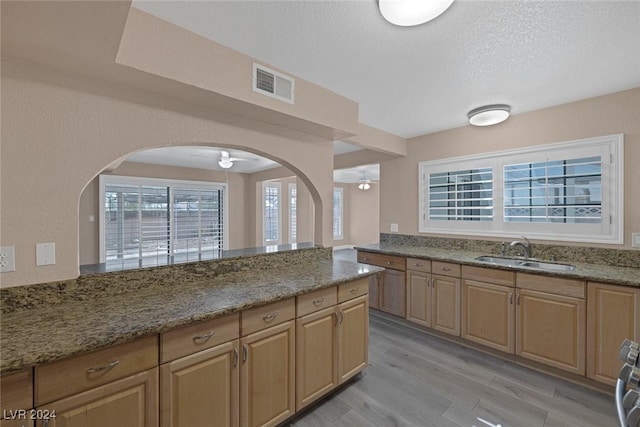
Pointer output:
x,y
610,230
293,212
137,182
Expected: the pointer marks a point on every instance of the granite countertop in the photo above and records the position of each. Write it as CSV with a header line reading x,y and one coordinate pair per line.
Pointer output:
x,y
34,336
626,276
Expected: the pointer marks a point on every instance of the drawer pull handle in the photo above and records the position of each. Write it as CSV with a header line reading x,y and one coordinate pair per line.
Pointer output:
x,y
389,262
203,338
270,317
103,368
244,353
318,302
354,290
518,299
235,357
365,259
418,265
445,269
511,298
341,318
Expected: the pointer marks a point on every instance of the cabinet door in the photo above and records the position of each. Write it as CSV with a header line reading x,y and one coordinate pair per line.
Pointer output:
x,y
551,329
419,297
353,337
445,304
392,292
488,315
316,355
129,402
374,291
612,316
202,389
267,377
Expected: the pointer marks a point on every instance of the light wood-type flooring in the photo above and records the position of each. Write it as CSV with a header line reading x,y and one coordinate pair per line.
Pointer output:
x,y
414,379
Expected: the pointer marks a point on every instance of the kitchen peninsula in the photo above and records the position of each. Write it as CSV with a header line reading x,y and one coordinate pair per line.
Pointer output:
x,y
135,331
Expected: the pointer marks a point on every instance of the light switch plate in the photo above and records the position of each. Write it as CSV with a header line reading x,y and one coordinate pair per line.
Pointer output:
x,y
394,228
45,254
635,240
7,259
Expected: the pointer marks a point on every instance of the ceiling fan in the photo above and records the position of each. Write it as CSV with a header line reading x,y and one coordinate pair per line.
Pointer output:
x,y
225,161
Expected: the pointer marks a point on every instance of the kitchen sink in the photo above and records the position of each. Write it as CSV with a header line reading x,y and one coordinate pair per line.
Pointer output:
x,y
519,262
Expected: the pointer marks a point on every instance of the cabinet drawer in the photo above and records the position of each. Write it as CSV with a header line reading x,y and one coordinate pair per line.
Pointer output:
x,y
489,275
16,391
317,300
70,376
382,260
445,268
268,315
200,336
417,264
350,290
553,285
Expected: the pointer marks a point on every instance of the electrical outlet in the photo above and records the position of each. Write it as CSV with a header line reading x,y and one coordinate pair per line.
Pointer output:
x,y
394,228
635,240
45,254
7,259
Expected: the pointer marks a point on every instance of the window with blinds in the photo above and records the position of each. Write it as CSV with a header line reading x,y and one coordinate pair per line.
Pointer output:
x,y
149,218
271,212
338,213
462,195
565,191
568,191
293,212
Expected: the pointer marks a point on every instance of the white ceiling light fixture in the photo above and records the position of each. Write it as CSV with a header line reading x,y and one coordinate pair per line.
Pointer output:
x,y
407,13
489,115
225,161
364,183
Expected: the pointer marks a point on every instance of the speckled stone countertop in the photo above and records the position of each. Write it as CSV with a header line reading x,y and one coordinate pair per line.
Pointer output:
x,y
36,335
626,276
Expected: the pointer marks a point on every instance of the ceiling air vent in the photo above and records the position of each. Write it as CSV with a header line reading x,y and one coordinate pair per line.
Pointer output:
x,y
272,83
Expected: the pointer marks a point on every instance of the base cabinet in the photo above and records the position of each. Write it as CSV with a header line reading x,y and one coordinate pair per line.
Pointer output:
x,y
419,297
267,376
129,402
551,329
353,336
202,389
488,315
392,292
445,305
316,355
612,316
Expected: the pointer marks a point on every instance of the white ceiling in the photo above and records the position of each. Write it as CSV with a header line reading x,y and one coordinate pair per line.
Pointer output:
x,y
413,81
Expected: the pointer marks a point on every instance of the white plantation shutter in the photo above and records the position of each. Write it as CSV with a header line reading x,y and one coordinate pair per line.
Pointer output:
x,y
170,218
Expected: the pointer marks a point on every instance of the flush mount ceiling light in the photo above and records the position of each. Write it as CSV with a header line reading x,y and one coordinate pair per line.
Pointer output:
x,y
407,13
489,115
364,184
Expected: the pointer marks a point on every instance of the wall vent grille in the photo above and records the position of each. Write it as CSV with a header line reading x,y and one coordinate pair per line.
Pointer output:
x,y
273,84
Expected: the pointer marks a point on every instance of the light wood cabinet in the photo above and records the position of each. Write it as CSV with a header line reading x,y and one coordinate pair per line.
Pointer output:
x,y
388,294
488,315
488,308
392,292
419,297
612,316
129,402
353,336
551,329
267,376
202,389
316,355
16,396
445,305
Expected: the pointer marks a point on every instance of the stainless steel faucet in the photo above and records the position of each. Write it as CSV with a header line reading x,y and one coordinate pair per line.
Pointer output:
x,y
527,249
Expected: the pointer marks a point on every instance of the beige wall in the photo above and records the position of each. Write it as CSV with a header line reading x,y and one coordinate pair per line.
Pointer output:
x,y
605,115
364,214
61,130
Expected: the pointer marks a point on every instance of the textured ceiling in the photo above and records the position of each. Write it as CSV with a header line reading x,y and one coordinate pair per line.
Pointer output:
x,y
412,81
